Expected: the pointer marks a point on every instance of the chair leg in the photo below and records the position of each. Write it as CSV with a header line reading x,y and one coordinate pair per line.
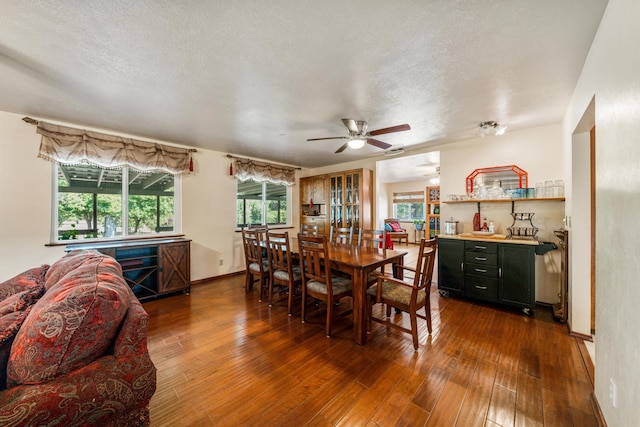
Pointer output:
x,y
369,312
248,282
290,299
304,303
388,308
329,317
414,329
427,309
270,292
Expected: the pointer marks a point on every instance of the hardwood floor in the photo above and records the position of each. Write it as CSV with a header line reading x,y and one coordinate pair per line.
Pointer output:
x,y
224,359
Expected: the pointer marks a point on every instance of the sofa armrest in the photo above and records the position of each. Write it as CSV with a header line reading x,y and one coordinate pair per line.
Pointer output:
x,y
91,395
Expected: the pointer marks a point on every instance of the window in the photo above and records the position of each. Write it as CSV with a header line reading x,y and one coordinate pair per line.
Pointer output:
x,y
408,206
92,202
261,203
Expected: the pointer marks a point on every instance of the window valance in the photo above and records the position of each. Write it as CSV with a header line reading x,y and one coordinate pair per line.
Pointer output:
x,y
261,171
67,146
408,197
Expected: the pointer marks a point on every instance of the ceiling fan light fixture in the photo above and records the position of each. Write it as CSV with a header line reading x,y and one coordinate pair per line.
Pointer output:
x,y
491,128
357,143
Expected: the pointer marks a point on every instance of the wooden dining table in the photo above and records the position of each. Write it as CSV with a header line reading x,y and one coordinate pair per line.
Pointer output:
x,y
359,262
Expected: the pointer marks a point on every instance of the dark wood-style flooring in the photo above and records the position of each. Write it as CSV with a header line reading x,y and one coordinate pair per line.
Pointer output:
x,y
224,359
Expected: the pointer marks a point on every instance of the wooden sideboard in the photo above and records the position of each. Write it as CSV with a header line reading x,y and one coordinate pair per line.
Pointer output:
x,y
151,267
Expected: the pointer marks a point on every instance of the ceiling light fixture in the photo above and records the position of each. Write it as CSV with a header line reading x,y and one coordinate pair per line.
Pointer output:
x,y
491,127
356,143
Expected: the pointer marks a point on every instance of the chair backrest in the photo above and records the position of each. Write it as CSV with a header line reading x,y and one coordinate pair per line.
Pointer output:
x,y
426,262
278,251
258,226
313,253
252,246
309,230
342,235
372,238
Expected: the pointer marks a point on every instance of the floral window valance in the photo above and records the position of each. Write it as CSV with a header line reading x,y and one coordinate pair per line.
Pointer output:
x,y
261,171
67,146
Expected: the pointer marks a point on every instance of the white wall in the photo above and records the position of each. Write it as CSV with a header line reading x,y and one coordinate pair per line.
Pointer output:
x,y
611,75
25,195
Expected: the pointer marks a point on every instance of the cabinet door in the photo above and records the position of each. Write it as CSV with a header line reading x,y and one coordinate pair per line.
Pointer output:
x,y
174,259
450,265
306,190
517,280
318,190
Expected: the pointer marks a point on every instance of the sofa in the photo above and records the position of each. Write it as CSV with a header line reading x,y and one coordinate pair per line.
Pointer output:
x,y
73,346
392,225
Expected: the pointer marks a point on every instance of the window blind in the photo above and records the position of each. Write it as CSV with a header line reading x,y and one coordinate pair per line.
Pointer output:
x,y
408,197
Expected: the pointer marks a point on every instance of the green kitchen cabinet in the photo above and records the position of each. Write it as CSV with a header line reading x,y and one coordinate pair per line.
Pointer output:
x,y
516,285
450,266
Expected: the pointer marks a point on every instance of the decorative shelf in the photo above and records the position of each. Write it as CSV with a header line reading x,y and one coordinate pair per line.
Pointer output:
x,y
558,199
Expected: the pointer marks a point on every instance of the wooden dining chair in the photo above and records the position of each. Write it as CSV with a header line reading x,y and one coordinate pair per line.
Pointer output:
x,y
407,296
256,263
310,230
342,235
373,239
282,271
317,278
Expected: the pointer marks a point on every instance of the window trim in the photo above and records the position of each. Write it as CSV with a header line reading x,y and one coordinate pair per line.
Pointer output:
x,y
177,212
289,213
409,198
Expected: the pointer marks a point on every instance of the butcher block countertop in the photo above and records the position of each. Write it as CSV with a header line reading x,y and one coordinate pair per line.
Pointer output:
x,y
493,238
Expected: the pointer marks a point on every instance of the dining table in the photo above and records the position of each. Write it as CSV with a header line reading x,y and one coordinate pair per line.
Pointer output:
x,y
359,262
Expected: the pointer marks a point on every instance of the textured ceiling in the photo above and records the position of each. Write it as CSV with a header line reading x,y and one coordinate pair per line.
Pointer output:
x,y
259,78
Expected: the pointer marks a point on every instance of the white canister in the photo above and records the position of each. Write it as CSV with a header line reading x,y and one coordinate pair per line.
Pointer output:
x,y
451,227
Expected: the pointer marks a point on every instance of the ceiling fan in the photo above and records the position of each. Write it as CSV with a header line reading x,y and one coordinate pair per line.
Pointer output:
x,y
358,135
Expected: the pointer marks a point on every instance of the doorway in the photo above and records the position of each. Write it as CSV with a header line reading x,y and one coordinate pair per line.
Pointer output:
x,y
582,223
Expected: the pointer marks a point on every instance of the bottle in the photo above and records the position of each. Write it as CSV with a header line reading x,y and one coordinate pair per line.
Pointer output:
x,y
484,225
491,227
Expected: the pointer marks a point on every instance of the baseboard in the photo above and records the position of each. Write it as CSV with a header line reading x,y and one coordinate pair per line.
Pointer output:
x,y
586,361
597,411
209,279
581,336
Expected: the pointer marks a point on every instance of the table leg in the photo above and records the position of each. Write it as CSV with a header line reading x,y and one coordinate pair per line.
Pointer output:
x,y
359,309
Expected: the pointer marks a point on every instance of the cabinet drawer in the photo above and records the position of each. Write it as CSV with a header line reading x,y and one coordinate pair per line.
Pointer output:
x,y
481,258
479,287
481,247
481,270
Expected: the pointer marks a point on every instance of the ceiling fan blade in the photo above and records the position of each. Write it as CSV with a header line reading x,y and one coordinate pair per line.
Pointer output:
x,y
341,149
355,126
331,137
391,129
378,144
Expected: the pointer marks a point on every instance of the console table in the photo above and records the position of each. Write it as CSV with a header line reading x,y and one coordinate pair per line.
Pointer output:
x,y
151,267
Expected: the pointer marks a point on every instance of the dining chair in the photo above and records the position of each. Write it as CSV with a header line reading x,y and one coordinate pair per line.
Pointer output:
x,y
373,239
256,263
310,230
342,235
263,227
317,278
407,296
282,271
